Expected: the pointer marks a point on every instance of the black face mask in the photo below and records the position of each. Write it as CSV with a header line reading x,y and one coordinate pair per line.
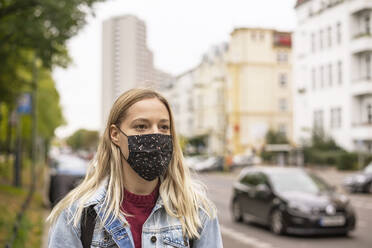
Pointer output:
x,y
149,154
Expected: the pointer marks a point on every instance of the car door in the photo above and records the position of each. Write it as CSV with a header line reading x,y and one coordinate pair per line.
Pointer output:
x,y
247,182
262,197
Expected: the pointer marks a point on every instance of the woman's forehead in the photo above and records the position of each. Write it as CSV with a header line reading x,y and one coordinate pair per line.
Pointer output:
x,y
148,109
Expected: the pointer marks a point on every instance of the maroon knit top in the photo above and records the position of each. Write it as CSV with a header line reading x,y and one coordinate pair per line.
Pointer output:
x,y
140,206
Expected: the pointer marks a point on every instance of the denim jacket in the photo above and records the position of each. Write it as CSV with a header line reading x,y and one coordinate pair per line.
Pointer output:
x,y
159,231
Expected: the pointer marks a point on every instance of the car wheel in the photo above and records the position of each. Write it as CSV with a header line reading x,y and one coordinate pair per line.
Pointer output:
x,y
236,211
276,222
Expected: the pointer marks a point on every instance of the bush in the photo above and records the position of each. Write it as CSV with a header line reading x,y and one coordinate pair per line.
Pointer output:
x,y
348,161
267,156
316,156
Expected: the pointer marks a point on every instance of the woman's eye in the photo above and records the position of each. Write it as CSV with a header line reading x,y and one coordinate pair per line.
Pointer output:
x,y
165,127
140,127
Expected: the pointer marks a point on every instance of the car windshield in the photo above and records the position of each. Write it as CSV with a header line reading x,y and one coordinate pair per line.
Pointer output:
x,y
293,180
368,169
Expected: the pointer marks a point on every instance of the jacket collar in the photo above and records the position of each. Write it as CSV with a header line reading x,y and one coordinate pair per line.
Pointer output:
x,y
99,196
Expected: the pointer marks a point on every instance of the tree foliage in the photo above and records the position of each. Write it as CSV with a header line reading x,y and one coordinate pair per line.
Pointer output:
x,y
39,27
33,34
273,137
83,139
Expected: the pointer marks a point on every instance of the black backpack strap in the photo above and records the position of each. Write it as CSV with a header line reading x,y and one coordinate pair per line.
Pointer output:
x,y
88,221
191,241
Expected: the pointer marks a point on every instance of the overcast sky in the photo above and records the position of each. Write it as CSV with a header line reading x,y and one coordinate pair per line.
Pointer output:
x,y
178,33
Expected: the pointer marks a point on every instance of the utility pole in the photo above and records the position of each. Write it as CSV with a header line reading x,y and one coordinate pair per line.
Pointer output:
x,y
34,120
17,180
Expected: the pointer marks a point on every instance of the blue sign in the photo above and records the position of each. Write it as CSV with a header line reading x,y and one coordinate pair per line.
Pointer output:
x,y
24,104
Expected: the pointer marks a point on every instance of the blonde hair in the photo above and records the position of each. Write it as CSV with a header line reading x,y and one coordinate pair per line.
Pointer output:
x,y
181,195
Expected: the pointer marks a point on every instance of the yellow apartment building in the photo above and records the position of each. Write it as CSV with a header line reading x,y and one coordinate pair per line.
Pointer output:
x,y
259,87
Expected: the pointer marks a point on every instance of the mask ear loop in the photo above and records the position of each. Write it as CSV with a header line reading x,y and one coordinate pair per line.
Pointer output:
x,y
127,142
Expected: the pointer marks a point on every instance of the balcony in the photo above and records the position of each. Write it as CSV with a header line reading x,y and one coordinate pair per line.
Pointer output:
x,y
362,131
361,43
359,6
361,87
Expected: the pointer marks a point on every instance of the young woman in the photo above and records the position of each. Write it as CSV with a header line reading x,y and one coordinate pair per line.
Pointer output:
x,y
139,189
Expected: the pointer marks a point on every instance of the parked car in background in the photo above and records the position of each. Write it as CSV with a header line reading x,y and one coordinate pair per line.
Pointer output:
x,y
65,173
202,163
361,181
290,200
191,161
242,160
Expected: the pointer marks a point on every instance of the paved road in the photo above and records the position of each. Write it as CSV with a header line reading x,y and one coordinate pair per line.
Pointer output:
x,y
252,235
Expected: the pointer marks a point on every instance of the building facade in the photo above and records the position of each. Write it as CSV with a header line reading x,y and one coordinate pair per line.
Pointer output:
x,y
259,87
332,71
210,100
126,60
198,100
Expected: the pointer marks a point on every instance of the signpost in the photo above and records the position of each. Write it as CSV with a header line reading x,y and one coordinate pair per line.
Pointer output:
x,y
24,106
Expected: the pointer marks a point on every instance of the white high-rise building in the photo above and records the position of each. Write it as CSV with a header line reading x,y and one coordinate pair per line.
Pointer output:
x,y
126,60
332,71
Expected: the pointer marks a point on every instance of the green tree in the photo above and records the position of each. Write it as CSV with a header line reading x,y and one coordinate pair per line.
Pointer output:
x,y
34,33
83,139
273,137
40,28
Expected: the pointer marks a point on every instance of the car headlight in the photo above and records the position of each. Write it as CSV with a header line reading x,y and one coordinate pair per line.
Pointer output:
x,y
297,208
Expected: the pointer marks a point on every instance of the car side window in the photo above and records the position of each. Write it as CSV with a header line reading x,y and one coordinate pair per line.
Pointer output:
x,y
250,179
261,179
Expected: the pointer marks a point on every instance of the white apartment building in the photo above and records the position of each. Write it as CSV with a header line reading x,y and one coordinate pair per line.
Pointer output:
x,y
126,60
209,99
181,100
198,100
332,71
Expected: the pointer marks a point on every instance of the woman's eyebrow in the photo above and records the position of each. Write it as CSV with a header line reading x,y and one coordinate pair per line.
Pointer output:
x,y
164,120
140,120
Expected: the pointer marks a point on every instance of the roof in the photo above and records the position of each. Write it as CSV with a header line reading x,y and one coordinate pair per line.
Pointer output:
x,y
300,2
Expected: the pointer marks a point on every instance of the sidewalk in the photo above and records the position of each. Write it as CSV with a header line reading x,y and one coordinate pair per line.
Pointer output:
x,y
44,241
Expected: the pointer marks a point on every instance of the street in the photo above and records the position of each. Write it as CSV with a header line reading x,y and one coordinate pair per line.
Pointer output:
x,y
253,235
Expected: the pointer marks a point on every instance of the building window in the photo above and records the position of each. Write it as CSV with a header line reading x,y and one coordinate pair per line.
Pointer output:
x,y
318,119
190,106
313,42
282,57
321,75
339,36
336,117
262,36
339,72
282,129
253,35
369,113
283,104
283,80
329,31
367,24
321,40
368,66
330,74
313,78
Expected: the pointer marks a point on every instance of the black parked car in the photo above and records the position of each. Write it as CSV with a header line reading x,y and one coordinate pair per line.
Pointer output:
x,y
360,182
65,174
290,200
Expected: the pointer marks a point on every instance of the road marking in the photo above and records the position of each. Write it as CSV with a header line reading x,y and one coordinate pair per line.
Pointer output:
x,y
243,238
